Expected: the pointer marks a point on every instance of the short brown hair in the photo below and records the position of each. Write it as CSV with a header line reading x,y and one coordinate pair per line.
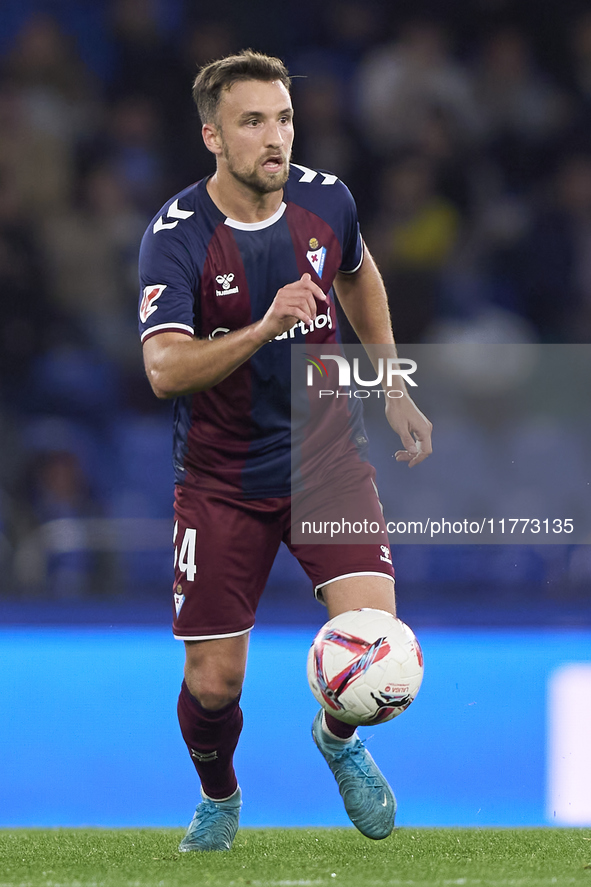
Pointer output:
x,y
217,76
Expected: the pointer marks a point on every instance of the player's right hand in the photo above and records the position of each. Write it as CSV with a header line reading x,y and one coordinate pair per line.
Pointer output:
x,y
292,303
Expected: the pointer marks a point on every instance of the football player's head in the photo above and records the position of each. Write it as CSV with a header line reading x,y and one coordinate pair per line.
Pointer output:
x,y
245,106
216,77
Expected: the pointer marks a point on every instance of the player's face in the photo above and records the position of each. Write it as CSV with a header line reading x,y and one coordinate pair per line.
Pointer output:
x,y
255,134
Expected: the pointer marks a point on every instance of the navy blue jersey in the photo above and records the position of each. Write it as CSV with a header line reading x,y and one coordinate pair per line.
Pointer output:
x,y
204,274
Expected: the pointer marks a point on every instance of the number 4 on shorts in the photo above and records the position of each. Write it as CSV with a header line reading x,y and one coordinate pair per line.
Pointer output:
x,y
186,555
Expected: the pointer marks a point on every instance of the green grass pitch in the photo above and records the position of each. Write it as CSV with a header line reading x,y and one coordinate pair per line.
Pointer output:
x,y
290,857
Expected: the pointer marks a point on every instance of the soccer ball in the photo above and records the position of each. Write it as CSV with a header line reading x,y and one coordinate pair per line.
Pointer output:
x,y
365,666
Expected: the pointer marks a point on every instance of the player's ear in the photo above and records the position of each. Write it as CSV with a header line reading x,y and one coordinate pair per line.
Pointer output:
x,y
212,138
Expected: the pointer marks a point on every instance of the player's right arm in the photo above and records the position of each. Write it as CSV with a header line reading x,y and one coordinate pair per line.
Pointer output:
x,y
177,364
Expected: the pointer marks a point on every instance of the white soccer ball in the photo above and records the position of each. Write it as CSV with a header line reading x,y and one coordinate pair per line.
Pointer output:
x,y
365,666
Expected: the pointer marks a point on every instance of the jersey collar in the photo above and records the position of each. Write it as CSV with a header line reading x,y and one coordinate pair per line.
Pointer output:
x,y
234,223
257,226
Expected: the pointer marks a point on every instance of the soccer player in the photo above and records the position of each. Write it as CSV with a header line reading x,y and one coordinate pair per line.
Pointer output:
x,y
233,270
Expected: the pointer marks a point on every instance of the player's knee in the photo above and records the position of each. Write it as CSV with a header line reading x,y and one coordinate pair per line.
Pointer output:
x,y
213,699
214,670
213,691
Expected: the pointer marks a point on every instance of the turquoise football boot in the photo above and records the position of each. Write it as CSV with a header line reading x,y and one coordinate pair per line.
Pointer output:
x,y
369,800
214,824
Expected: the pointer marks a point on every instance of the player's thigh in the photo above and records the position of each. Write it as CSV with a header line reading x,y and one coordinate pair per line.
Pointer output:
x,y
224,551
214,669
352,592
349,575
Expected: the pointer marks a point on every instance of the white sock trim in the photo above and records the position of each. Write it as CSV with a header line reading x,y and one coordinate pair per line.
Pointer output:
x,y
220,800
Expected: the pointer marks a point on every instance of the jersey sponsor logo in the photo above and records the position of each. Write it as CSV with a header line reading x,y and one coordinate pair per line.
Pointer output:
x,y
225,281
173,212
320,321
151,292
316,257
219,331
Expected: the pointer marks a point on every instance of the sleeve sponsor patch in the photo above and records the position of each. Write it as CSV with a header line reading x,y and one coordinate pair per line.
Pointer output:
x,y
152,292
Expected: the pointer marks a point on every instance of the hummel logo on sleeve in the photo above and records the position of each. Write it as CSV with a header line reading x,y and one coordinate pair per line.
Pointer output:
x,y
173,212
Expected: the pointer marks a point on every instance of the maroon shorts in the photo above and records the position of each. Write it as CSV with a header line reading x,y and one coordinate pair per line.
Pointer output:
x,y
224,549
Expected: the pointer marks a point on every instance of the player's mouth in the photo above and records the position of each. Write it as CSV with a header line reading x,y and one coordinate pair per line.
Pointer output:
x,y
274,163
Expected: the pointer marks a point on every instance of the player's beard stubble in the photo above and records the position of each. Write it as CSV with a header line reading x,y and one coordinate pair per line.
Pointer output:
x,y
255,177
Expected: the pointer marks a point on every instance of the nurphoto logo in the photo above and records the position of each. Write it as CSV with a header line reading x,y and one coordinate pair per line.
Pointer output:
x,y
386,371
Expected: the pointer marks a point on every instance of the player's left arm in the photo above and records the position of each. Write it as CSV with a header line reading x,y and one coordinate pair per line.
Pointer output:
x,y
363,297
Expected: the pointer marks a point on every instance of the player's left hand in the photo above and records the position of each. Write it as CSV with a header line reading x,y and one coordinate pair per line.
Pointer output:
x,y
413,428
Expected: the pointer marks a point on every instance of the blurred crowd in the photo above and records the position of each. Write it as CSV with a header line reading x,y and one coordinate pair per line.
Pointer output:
x,y
463,130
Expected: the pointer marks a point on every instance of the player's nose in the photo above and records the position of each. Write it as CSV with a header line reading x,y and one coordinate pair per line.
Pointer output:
x,y
275,136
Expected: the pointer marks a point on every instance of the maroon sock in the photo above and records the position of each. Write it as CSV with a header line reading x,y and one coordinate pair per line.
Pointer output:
x,y
211,738
339,728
